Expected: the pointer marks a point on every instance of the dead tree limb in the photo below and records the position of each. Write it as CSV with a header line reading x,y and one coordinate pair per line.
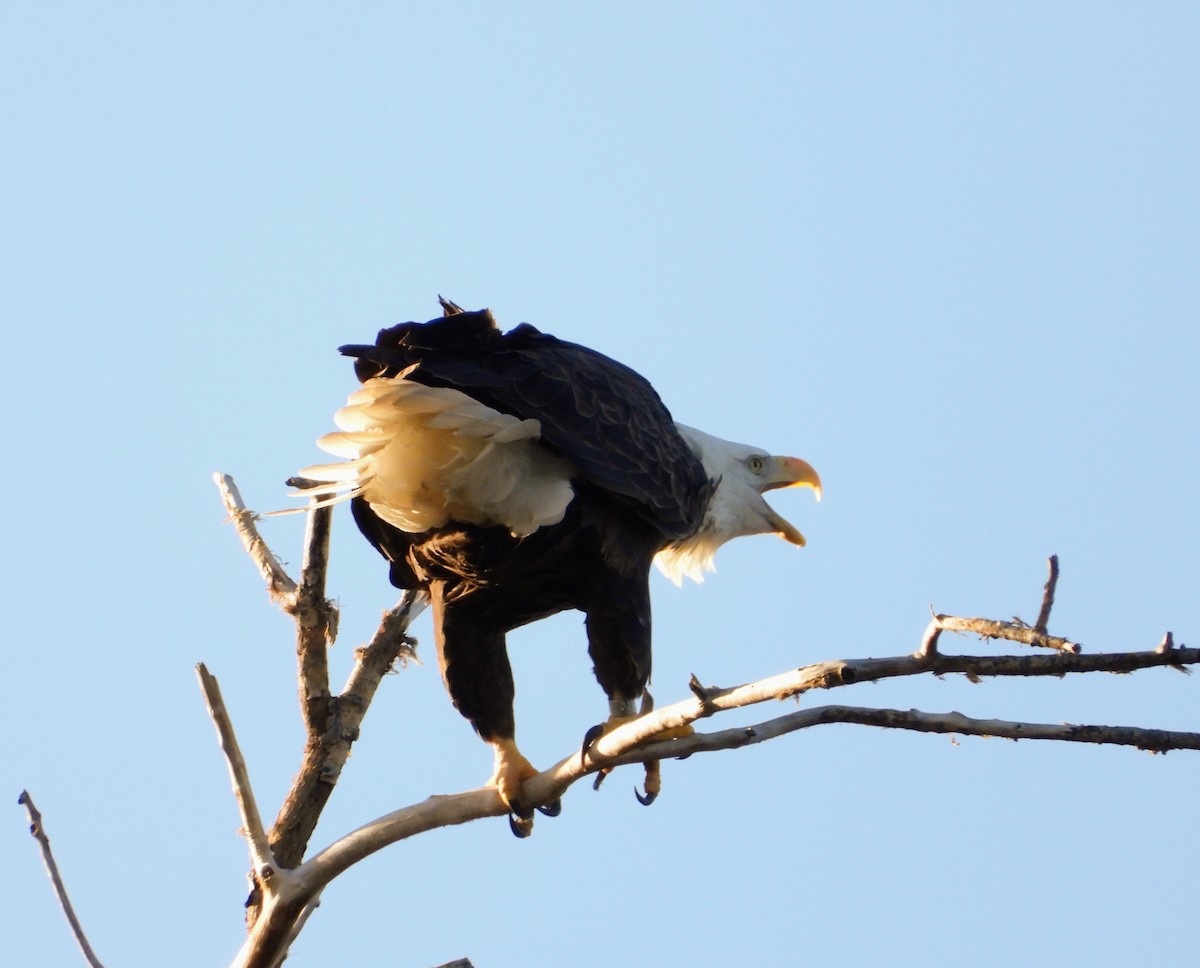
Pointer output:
x,y
331,722
1048,595
256,836
278,909
629,744
280,586
38,830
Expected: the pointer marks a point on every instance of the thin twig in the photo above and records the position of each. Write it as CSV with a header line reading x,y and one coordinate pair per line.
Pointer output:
x,y
38,830
929,641
279,585
256,835
1151,740
1047,595
1012,631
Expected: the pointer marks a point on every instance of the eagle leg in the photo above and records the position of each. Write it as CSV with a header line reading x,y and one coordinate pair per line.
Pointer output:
x,y
511,770
653,784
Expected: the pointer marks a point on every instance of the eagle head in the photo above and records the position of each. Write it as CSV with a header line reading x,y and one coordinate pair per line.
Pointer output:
x,y
742,475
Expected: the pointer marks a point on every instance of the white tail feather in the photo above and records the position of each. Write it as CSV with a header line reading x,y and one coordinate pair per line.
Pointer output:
x,y
352,445
422,456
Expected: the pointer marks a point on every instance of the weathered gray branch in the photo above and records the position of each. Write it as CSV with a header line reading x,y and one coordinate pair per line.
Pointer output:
x,y
327,747
316,622
279,585
38,829
630,743
1043,618
1151,740
256,837
333,723
1012,631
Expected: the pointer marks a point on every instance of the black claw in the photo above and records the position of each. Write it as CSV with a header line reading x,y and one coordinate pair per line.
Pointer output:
x,y
599,779
551,809
646,800
521,827
589,738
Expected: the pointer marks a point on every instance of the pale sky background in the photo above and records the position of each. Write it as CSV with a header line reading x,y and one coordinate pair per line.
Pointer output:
x,y
946,252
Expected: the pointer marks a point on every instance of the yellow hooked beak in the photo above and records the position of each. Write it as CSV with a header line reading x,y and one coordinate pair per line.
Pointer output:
x,y
789,472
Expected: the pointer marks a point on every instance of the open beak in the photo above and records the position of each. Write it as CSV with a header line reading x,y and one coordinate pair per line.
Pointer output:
x,y
790,472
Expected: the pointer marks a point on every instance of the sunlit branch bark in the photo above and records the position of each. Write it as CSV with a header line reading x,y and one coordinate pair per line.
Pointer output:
x,y
256,836
279,585
1012,631
316,623
38,830
333,722
1151,740
326,751
390,644
628,743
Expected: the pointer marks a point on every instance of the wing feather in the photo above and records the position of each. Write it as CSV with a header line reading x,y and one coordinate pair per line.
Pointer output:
x,y
602,416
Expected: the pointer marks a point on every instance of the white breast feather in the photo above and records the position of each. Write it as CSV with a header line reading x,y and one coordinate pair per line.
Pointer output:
x,y
730,511
423,456
690,558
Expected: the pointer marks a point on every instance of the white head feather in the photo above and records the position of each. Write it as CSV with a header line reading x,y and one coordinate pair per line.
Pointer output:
x,y
742,473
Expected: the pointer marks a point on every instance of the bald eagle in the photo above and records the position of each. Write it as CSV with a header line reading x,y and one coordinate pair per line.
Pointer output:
x,y
513,475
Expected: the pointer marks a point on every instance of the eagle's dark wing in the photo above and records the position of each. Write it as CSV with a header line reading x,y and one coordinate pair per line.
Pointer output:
x,y
603,417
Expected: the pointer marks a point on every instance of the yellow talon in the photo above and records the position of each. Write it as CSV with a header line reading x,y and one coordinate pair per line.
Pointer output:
x,y
653,770
511,770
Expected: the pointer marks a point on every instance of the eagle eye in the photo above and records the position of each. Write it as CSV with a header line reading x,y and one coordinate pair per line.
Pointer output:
x,y
756,464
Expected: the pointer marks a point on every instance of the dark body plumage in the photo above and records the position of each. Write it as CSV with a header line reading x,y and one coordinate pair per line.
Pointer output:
x,y
637,488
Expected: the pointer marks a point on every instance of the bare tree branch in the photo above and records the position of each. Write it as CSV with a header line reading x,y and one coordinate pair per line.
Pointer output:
x,y
38,830
1048,595
1015,631
1012,631
628,744
1151,740
256,836
332,724
279,585
390,644
326,751
316,623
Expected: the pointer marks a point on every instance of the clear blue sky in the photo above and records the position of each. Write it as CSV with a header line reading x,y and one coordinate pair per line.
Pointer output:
x,y
946,252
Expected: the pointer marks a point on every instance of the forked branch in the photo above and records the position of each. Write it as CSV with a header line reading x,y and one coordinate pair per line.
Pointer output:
x,y
279,584
332,723
629,744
